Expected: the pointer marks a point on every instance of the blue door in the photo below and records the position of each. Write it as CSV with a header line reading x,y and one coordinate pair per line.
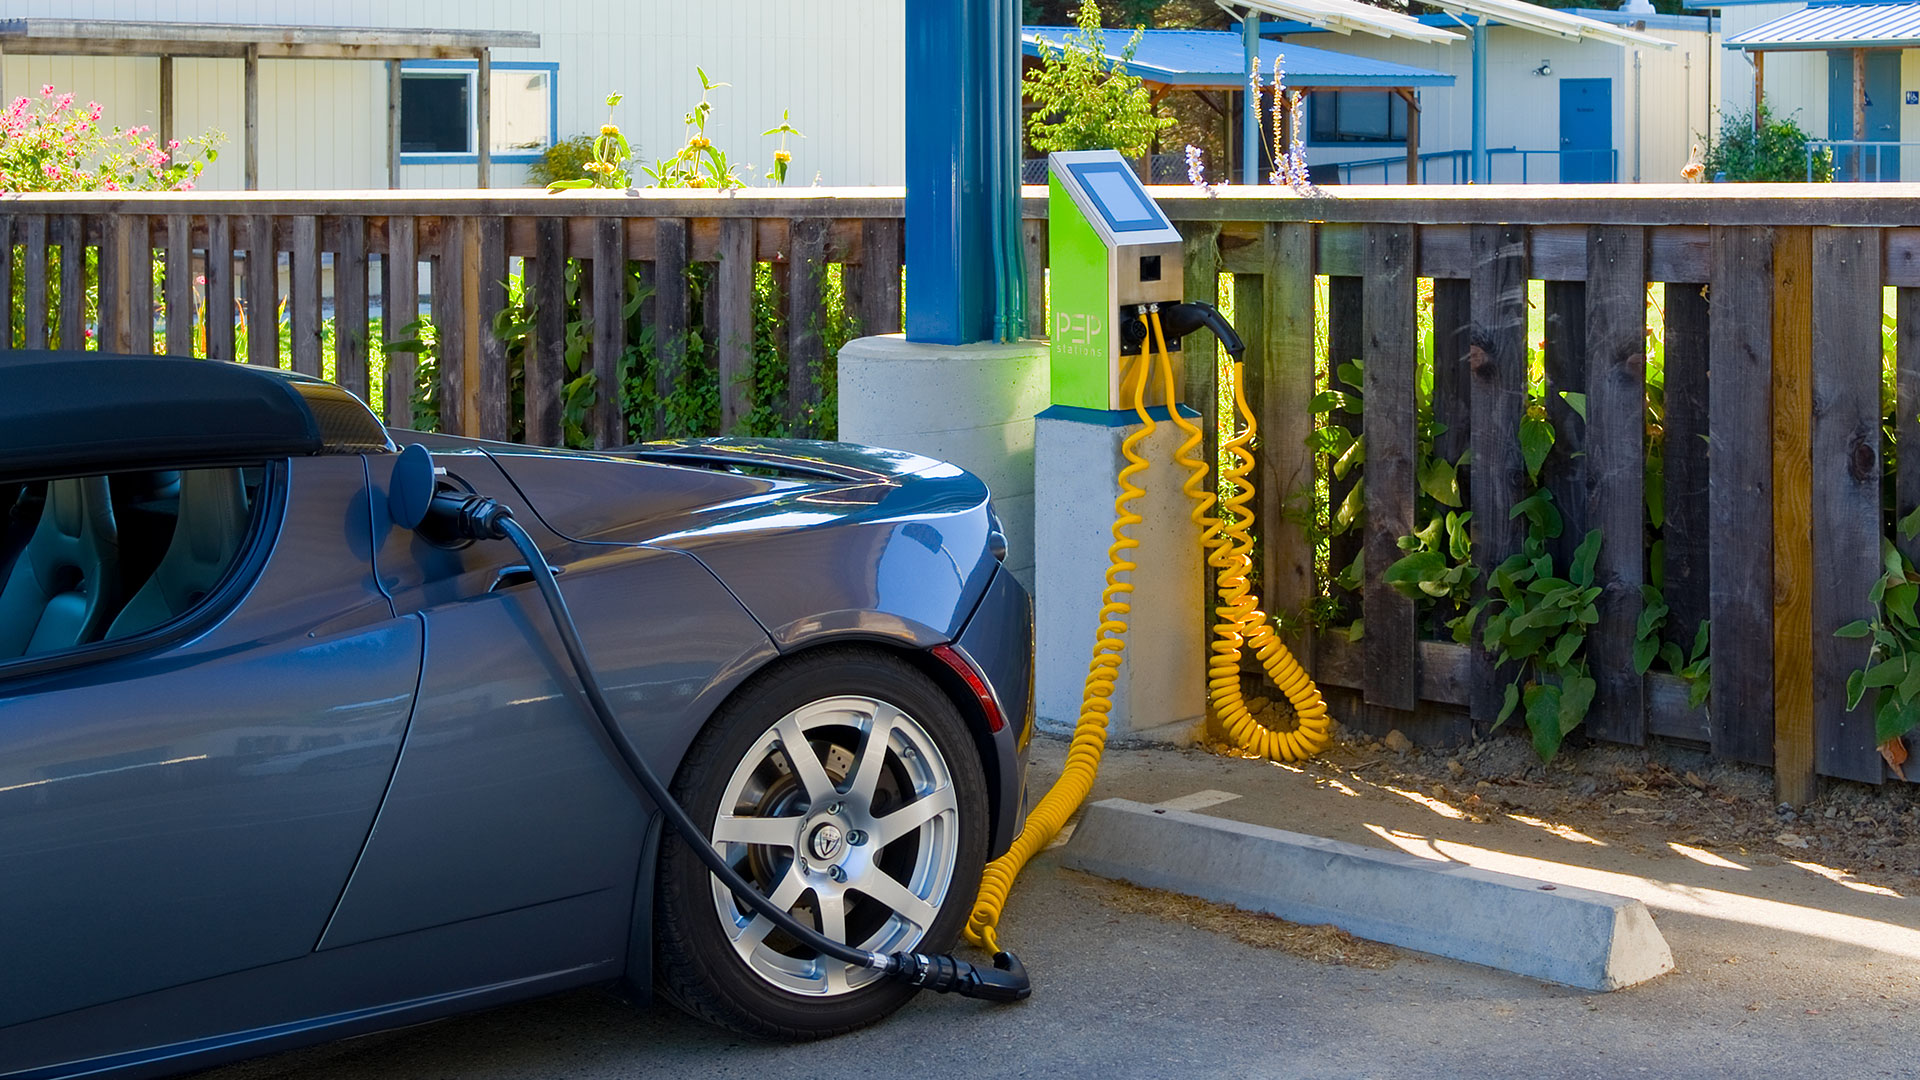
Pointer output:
x,y
1883,115
1586,131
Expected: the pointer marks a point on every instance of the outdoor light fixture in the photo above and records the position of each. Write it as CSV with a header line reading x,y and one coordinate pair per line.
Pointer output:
x,y
1545,68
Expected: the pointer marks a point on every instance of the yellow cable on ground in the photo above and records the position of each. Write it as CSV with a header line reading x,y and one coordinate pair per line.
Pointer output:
x,y
1090,732
1238,619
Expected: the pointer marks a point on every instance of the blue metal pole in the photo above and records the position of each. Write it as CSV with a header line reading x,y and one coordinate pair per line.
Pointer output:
x,y
958,167
1479,171
1249,99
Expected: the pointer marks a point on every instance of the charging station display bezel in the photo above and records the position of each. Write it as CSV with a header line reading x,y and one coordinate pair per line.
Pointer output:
x,y
1081,170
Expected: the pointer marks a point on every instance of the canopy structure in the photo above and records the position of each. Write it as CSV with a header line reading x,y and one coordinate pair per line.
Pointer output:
x,y
1209,60
1552,22
1825,26
252,43
1339,16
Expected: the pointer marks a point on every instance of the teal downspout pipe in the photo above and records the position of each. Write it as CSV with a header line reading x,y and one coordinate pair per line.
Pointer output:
x,y
1249,99
1479,171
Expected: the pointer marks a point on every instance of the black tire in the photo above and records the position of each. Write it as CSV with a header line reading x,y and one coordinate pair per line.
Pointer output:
x,y
698,968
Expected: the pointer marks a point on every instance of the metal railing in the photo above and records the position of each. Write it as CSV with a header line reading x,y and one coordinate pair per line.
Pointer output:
x,y
1610,157
1393,170
1851,159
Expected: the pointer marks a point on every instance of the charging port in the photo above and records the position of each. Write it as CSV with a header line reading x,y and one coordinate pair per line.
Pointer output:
x,y
1149,268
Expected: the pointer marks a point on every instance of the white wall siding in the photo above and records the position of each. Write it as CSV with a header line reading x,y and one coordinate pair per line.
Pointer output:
x,y
838,65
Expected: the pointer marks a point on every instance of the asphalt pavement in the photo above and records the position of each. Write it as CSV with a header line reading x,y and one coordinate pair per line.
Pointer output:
x,y
1780,971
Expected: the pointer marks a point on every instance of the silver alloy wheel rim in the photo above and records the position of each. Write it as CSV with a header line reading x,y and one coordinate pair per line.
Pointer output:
x,y
827,843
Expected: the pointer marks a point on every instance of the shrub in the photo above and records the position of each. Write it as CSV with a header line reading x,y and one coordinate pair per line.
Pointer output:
x,y
564,160
1776,153
1086,103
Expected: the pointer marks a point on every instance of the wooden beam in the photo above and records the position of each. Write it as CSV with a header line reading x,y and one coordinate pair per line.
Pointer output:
x,y
1413,135
1759,86
483,119
393,123
1859,113
252,77
166,100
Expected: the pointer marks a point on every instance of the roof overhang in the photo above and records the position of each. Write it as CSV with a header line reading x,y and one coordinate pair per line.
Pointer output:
x,y
1306,68
94,37
1344,17
1552,22
1819,27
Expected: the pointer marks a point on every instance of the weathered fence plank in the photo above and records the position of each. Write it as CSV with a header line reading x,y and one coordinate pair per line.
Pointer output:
x,y
1393,667
733,295
806,341
399,310
303,293
1498,367
1616,471
35,316
449,304
1687,531
6,281
493,398
879,277
1906,412
350,307
1846,490
1740,491
546,361
1452,374
608,427
672,315
73,281
1279,387
1794,694
263,307
220,344
179,285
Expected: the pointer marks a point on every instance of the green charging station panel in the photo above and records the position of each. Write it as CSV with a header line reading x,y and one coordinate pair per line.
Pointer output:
x,y
1110,249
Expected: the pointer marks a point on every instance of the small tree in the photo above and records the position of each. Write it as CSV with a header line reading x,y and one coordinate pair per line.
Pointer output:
x,y
1087,103
1772,151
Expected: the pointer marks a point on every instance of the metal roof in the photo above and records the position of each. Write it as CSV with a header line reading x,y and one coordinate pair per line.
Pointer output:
x,y
1213,58
1835,26
1552,22
1344,17
95,37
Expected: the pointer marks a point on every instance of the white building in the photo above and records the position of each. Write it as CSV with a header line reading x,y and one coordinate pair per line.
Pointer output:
x,y
323,123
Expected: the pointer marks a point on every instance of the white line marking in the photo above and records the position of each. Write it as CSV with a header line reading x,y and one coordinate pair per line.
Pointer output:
x,y
1199,800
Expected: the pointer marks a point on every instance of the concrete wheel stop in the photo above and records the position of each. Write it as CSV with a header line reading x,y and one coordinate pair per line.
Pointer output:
x,y
1556,933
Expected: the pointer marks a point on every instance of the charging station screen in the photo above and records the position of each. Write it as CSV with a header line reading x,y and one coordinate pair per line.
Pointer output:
x,y
1118,195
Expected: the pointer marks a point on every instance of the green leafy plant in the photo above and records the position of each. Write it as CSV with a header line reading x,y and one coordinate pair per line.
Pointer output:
x,y
1696,668
564,160
608,155
49,144
1085,102
783,156
1893,664
1774,151
700,164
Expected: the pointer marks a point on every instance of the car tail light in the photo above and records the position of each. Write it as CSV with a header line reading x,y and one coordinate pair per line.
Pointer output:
x,y
951,657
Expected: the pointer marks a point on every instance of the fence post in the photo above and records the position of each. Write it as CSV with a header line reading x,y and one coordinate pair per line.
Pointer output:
x,y
1498,366
1687,538
1279,387
1846,319
179,285
1616,471
673,314
609,329
492,393
263,282
546,360
399,309
303,300
1389,416
349,306
806,341
733,293
1794,695
35,243
73,281
219,286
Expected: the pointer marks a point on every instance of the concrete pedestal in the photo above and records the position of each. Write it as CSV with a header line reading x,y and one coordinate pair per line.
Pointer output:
x,y
1160,693
972,405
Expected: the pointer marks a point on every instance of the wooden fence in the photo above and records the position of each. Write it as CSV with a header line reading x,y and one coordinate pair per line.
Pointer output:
x,y
1773,462
469,245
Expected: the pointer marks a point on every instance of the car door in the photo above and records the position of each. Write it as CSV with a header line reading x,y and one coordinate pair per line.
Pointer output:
x,y
189,802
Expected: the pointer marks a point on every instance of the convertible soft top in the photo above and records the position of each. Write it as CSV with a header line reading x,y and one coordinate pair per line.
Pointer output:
x,y
67,411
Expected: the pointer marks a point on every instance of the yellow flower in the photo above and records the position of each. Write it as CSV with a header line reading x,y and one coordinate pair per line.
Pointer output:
x,y
698,142
609,129
782,156
697,182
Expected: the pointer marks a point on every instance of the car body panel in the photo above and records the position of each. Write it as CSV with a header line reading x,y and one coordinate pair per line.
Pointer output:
x,y
215,833
997,642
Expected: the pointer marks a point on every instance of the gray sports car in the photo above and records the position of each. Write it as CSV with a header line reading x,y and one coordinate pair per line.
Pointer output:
x,y
277,768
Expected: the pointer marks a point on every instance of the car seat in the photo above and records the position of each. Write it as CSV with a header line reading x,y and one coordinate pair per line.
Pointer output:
x,y
206,537
66,579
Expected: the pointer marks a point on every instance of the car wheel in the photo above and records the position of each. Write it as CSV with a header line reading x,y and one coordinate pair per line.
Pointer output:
x,y
847,787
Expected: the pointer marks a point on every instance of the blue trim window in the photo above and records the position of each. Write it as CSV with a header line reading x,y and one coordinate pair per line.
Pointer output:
x,y
437,124
1356,116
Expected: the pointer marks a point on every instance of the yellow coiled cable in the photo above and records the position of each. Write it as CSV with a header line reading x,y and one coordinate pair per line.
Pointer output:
x,y
1090,732
1237,620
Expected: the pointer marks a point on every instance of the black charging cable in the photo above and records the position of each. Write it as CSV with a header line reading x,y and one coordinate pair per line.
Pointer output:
x,y
475,517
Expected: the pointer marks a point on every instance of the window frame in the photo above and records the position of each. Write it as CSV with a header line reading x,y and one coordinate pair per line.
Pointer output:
x,y
263,531
471,68
1324,98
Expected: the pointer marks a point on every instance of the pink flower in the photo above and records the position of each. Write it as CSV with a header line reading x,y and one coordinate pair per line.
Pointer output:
x,y
52,170
46,90
173,144
200,280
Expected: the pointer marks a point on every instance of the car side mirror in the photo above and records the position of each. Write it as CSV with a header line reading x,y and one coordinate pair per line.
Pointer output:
x,y
411,490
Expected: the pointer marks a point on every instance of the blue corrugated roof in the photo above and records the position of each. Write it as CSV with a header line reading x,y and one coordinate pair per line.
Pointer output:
x,y
1214,58
1836,26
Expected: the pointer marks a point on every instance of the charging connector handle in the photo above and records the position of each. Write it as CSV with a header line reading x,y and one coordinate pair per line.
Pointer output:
x,y
1179,320
479,518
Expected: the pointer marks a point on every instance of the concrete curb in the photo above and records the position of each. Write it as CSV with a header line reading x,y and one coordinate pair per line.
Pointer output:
x,y
1558,933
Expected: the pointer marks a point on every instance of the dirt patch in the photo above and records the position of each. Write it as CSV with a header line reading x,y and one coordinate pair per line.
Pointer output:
x,y
1320,944
1648,799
